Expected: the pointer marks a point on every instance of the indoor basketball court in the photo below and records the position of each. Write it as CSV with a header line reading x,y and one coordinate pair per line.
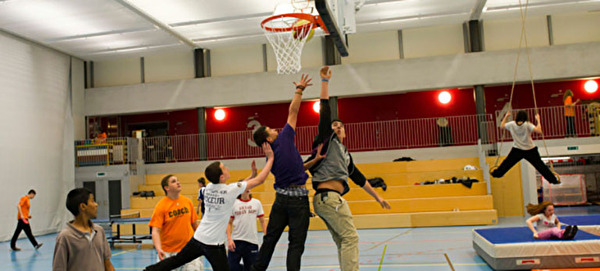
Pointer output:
x,y
441,135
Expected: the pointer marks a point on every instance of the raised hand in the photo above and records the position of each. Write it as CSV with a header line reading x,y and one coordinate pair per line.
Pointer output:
x,y
268,151
254,169
325,72
304,82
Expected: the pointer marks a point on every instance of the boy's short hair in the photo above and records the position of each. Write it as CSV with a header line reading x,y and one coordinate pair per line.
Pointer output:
x,y
202,181
165,182
260,135
31,192
334,120
213,172
76,197
521,116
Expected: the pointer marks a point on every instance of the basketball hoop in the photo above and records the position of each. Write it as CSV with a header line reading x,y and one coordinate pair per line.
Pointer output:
x,y
287,34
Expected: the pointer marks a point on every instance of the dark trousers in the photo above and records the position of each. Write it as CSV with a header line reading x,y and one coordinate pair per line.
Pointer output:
x,y
532,156
286,211
243,250
570,126
215,255
25,227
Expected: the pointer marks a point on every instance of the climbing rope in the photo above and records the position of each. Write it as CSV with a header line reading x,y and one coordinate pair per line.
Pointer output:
x,y
522,38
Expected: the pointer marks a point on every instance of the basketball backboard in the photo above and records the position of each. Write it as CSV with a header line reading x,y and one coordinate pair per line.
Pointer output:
x,y
338,17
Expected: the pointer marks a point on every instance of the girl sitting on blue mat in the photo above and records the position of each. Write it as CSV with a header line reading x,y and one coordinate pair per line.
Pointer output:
x,y
548,226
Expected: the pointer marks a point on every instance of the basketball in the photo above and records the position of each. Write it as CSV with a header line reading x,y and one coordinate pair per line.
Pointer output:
x,y
302,28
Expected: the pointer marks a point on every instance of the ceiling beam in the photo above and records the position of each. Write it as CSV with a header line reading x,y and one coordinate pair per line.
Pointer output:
x,y
478,10
99,34
223,19
157,23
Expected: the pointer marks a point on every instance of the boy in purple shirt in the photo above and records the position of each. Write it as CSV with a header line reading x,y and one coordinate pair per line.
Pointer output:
x,y
291,206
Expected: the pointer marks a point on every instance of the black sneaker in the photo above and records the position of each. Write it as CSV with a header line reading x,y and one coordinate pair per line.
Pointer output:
x,y
15,249
38,246
573,233
568,231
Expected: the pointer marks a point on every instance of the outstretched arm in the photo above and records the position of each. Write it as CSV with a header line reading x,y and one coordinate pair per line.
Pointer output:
x,y
384,204
503,124
254,171
325,111
538,126
260,178
295,104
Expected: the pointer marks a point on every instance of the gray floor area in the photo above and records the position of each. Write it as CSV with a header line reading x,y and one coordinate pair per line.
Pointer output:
x,y
405,249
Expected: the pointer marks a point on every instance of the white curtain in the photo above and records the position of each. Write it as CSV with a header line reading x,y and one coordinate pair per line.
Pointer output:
x,y
36,134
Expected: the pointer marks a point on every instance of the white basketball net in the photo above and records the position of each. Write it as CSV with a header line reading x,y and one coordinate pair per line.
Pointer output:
x,y
287,43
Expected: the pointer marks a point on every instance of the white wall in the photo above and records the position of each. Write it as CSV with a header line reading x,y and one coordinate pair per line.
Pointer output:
x,y
576,27
433,41
505,34
424,42
372,46
36,142
78,99
117,72
496,67
236,60
169,66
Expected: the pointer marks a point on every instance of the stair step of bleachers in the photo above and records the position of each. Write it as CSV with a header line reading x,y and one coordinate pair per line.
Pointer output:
x,y
398,205
413,204
400,220
356,193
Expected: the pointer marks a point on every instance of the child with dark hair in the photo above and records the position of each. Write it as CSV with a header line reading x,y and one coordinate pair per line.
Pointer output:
x,y
520,129
332,166
548,226
82,245
201,186
210,236
23,217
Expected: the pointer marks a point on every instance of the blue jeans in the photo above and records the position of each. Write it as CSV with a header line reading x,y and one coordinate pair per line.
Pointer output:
x,y
243,250
286,211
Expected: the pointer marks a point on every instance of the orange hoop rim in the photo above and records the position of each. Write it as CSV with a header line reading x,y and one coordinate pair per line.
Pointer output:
x,y
314,19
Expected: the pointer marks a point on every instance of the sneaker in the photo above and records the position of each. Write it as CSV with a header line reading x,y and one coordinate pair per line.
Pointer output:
x,y
573,233
15,249
38,246
568,231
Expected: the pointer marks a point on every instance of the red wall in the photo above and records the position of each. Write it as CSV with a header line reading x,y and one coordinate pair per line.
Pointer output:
x,y
409,105
422,104
273,115
181,122
523,94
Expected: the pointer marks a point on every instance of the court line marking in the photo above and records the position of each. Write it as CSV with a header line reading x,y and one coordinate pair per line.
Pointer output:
x,y
337,266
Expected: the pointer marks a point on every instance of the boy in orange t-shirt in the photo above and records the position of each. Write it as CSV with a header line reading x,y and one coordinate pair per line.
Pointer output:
x,y
23,217
173,223
570,113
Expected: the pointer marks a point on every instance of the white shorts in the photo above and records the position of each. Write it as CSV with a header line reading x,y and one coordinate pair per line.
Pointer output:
x,y
195,265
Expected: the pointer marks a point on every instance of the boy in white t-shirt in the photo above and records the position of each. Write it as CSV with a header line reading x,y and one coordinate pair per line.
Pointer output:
x,y
520,129
242,235
210,236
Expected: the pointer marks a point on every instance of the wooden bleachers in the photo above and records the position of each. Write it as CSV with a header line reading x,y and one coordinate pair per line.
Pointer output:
x,y
412,205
